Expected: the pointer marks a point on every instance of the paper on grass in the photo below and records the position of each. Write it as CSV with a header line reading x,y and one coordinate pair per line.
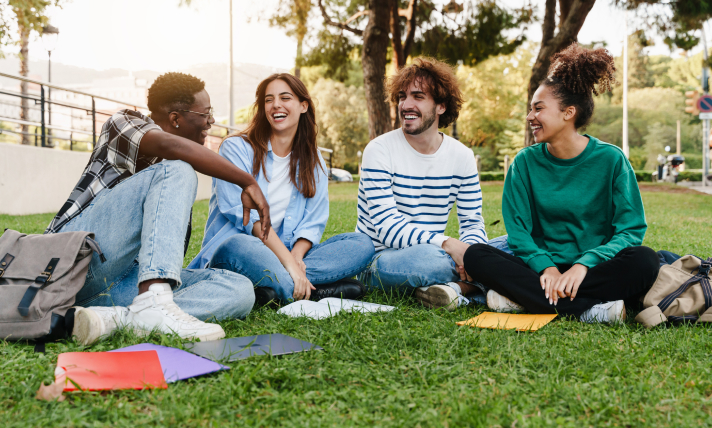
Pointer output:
x,y
330,306
97,371
176,363
520,322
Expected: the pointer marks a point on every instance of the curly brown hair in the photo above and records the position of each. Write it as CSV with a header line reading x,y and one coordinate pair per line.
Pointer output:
x,y
434,76
576,74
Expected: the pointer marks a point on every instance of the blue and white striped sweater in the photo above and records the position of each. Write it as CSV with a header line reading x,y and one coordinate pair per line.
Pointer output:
x,y
405,197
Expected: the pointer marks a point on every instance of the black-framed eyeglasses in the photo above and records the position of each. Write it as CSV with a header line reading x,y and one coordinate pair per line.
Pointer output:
x,y
209,115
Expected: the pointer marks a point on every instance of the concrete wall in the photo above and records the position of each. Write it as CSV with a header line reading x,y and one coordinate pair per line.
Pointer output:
x,y
34,180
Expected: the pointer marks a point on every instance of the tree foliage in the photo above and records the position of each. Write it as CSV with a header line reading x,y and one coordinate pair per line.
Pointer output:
x,y
479,34
677,20
22,15
292,15
463,33
342,119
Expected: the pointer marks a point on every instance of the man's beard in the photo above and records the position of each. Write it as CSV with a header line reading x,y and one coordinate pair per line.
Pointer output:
x,y
427,122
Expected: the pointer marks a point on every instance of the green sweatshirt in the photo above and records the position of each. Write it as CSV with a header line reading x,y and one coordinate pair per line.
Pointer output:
x,y
565,211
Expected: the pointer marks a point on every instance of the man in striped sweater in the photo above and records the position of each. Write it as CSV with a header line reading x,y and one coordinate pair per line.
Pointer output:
x,y
410,180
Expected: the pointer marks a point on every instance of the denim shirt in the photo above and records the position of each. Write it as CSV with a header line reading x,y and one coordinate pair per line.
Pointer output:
x,y
305,217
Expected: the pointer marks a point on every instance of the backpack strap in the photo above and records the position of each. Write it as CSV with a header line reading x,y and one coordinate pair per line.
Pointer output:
x,y
5,263
707,291
40,281
702,277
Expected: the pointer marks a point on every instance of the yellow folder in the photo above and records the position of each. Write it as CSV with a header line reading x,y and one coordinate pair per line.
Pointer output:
x,y
520,322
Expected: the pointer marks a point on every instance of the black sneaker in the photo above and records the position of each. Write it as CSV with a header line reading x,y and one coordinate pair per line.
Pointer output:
x,y
265,296
347,288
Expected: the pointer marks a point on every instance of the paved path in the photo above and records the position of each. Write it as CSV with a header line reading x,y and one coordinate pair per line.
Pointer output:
x,y
707,189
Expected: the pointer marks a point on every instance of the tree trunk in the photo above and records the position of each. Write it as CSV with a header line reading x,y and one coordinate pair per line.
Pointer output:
x,y
24,71
298,60
573,15
375,49
398,55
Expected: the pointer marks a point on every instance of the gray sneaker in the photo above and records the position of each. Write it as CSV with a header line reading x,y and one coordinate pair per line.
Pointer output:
x,y
441,296
609,312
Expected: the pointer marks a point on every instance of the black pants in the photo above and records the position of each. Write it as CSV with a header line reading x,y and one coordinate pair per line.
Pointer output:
x,y
627,276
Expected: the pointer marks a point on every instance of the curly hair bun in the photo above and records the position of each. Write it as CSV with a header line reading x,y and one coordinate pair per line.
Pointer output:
x,y
582,71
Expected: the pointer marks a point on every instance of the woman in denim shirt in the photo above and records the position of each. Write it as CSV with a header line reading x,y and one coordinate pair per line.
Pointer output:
x,y
279,149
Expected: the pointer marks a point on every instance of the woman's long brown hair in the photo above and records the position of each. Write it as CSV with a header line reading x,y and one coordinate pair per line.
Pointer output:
x,y
305,154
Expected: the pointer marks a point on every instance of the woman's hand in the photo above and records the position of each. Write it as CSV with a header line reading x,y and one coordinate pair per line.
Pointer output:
x,y
547,279
302,286
300,263
568,283
253,199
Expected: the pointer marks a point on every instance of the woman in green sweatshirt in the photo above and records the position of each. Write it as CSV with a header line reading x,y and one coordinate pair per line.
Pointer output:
x,y
571,206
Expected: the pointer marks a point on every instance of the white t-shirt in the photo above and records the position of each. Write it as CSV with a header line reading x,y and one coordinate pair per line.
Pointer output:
x,y
279,190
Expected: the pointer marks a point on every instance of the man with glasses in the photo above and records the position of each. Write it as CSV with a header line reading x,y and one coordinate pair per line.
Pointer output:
x,y
136,196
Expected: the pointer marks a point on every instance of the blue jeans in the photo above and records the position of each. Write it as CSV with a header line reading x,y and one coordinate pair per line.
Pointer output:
x,y
341,256
423,265
140,226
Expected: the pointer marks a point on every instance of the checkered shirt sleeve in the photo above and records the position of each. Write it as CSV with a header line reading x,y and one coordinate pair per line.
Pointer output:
x,y
115,158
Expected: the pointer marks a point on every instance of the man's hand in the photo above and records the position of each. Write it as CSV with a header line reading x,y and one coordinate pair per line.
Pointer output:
x,y
547,280
253,199
568,283
456,249
464,276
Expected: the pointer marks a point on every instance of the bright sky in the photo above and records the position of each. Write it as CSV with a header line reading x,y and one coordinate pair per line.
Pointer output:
x,y
158,35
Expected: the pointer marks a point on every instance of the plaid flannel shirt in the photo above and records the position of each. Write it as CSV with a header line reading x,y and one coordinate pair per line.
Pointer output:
x,y
115,158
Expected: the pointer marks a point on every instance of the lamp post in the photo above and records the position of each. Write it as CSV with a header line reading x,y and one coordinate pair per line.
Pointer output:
x,y
231,71
49,40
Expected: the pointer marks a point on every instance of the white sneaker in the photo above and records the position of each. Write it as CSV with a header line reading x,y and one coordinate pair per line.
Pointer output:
x,y
610,312
155,310
95,322
440,296
499,303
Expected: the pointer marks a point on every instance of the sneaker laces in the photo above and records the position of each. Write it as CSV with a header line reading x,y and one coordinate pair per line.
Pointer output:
x,y
170,308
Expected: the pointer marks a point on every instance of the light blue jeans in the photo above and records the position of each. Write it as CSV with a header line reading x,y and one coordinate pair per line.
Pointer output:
x,y
140,226
341,256
403,270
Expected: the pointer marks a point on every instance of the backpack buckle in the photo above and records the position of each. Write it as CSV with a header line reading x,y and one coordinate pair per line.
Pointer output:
x,y
704,268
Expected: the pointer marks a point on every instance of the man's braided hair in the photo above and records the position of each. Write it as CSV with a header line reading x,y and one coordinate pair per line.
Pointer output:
x,y
576,74
171,92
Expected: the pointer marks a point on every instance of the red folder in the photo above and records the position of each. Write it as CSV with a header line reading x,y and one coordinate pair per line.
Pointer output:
x,y
97,371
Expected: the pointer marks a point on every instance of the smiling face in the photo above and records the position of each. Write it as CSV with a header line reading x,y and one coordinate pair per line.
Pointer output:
x,y
418,110
282,107
194,126
546,118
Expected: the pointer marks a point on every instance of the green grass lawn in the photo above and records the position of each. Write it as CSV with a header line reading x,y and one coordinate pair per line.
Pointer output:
x,y
411,367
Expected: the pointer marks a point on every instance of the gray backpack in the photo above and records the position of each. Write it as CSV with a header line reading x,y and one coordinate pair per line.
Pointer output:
x,y
40,275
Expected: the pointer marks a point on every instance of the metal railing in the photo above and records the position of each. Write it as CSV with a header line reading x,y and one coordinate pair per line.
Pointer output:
x,y
40,127
78,132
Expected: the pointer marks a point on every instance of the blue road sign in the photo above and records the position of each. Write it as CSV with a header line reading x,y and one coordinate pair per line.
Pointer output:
x,y
704,104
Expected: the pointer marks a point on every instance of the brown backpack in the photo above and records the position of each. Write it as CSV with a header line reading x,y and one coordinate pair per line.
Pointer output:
x,y
682,292
40,276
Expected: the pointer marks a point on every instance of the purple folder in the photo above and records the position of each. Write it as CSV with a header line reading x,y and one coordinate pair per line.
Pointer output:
x,y
177,364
